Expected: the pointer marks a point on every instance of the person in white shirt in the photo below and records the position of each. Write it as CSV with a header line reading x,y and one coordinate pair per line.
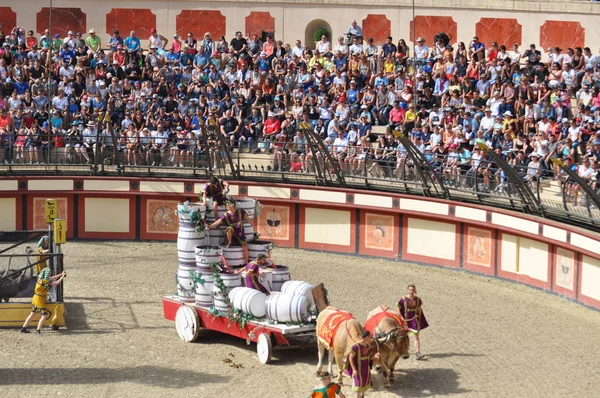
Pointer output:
x,y
590,59
323,45
356,47
340,47
355,30
515,54
421,50
586,172
487,121
298,49
60,102
494,103
340,147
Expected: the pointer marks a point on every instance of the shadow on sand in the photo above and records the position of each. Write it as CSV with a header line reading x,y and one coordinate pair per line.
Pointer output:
x,y
148,375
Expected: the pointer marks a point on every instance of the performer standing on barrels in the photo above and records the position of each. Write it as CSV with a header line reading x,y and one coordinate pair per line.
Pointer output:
x,y
215,189
326,388
253,273
233,220
410,310
359,363
38,303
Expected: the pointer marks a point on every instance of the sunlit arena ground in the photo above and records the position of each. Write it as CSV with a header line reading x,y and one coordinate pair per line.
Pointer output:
x,y
487,337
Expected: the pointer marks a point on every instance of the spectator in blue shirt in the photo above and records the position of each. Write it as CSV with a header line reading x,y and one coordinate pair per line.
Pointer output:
x,y
201,59
114,41
477,49
171,57
341,62
67,55
21,86
132,42
186,59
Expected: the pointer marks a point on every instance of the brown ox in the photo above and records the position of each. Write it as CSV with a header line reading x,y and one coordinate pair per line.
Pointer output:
x,y
391,335
337,331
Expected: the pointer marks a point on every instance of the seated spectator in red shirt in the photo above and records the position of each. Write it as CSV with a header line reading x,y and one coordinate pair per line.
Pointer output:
x,y
272,126
396,115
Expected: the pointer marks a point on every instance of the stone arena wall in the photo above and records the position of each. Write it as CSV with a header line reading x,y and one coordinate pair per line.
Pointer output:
x,y
553,257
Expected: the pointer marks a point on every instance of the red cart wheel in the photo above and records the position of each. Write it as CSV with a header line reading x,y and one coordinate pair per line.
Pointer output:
x,y
187,323
264,348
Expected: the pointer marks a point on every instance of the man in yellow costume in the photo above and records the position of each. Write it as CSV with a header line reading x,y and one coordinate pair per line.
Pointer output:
x,y
38,303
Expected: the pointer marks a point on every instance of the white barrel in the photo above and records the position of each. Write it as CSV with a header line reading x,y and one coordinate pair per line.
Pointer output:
x,y
204,291
266,278
234,255
283,307
185,284
249,232
207,255
230,281
248,205
184,209
187,240
299,288
216,237
258,247
210,213
280,275
248,300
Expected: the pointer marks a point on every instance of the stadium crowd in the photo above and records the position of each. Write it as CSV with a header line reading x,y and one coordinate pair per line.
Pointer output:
x,y
163,101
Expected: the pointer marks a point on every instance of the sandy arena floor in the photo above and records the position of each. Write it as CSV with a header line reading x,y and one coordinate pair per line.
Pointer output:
x,y
487,337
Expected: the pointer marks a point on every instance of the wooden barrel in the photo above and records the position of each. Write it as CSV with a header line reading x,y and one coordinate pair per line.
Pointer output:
x,y
258,247
283,307
187,240
186,208
204,291
207,255
185,284
249,232
234,255
280,275
248,300
215,237
248,205
299,288
210,214
230,281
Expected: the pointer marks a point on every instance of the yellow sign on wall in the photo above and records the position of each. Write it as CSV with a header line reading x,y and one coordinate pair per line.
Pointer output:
x,y
60,231
51,210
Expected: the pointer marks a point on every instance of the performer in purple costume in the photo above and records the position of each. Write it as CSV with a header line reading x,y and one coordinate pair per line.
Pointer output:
x,y
215,189
252,273
358,365
233,220
410,310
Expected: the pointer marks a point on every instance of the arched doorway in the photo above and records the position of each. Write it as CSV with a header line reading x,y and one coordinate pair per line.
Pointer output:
x,y
310,30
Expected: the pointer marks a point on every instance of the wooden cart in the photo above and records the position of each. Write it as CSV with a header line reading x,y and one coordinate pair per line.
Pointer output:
x,y
190,318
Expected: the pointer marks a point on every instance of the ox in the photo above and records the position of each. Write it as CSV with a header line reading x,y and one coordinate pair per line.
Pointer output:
x,y
337,331
391,336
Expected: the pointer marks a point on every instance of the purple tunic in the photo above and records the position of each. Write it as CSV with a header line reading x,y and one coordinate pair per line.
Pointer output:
x,y
409,310
362,363
235,221
215,191
252,280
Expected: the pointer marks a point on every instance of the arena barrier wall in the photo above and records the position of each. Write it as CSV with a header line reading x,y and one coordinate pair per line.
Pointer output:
x,y
553,257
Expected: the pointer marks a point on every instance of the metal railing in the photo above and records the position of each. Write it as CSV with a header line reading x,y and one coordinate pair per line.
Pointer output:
x,y
317,162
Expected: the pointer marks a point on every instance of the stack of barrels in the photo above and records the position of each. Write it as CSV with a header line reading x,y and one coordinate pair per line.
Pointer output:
x,y
198,252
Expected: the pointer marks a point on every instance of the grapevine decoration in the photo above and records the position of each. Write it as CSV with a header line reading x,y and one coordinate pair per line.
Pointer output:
x,y
196,218
198,221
